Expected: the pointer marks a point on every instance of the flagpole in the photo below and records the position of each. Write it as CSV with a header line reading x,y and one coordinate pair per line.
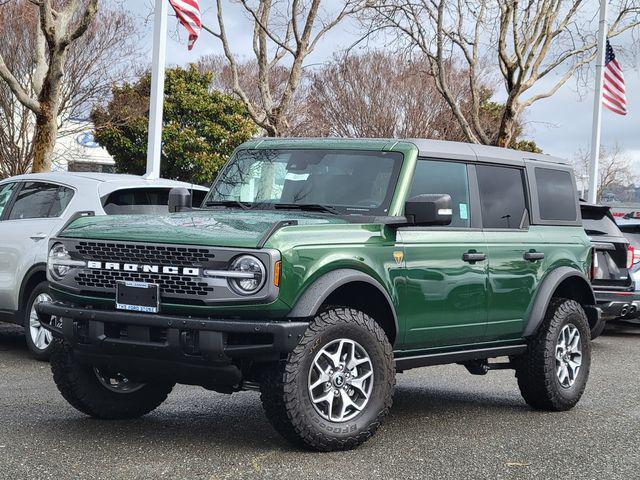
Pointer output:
x,y
154,143
597,104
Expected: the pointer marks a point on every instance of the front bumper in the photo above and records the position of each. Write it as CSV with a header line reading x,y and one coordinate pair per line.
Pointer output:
x,y
202,351
618,304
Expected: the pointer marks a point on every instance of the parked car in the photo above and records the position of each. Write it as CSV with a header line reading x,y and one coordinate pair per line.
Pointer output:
x,y
614,256
630,227
36,206
317,270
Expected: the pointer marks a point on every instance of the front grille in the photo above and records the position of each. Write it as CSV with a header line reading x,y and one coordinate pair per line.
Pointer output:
x,y
149,254
169,284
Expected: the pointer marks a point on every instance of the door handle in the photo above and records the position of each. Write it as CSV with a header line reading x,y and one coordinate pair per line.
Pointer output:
x,y
38,236
533,256
473,257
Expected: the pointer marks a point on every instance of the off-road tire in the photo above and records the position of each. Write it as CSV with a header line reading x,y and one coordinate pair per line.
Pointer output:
x,y
536,369
284,385
79,385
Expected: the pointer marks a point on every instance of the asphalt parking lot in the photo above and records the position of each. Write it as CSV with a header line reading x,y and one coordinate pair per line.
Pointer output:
x,y
444,424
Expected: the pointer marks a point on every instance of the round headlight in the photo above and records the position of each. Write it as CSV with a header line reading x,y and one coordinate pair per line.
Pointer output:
x,y
59,262
251,275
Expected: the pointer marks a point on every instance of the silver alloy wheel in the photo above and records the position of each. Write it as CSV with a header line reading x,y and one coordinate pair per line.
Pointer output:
x,y
40,336
568,355
117,383
340,380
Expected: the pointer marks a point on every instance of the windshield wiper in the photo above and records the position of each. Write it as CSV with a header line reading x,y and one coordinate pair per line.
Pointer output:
x,y
312,207
227,203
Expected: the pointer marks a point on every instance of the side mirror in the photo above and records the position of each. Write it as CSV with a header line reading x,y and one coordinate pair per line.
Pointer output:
x,y
179,199
431,209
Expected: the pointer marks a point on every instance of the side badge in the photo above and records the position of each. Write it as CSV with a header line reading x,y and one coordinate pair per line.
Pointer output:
x,y
398,257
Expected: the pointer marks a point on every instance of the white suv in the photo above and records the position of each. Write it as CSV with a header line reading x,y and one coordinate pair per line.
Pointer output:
x,y
34,207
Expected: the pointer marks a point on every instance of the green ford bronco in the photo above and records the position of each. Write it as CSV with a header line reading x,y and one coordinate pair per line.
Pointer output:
x,y
315,270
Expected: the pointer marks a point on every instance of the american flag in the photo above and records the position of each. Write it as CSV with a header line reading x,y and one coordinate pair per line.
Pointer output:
x,y
188,13
613,96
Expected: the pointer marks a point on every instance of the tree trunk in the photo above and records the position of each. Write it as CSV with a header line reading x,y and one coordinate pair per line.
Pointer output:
x,y
44,140
508,124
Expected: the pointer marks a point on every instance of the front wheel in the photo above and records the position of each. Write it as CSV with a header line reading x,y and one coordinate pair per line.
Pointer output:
x,y
335,388
553,374
101,393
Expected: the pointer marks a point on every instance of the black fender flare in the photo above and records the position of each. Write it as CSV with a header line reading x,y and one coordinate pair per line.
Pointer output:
x,y
311,300
545,293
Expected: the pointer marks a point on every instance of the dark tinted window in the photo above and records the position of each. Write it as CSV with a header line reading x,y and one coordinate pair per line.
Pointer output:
x,y
632,232
598,221
40,200
432,176
143,201
501,196
5,194
556,195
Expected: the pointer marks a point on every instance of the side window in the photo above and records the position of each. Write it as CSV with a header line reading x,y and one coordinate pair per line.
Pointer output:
x,y
434,176
62,200
502,197
5,194
556,195
38,200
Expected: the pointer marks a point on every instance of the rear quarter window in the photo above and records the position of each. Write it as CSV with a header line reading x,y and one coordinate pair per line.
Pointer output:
x,y
556,195
143,201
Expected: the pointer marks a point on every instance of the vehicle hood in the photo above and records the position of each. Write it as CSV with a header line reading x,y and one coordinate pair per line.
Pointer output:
x,y
223,228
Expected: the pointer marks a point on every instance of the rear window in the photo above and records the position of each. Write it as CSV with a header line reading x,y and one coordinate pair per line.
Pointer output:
x,y
143,201
599,222
632,233
556,195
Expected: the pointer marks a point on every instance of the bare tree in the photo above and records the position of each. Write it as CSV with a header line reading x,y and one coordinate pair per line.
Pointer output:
x,y
61,24
380,94
534,43
614,169
284,33
107,52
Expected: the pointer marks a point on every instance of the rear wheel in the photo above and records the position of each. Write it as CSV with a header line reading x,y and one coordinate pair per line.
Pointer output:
x,y
335,388
102,393
553,373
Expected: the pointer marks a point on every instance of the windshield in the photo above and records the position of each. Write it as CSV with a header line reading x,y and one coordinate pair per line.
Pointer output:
x,y
338,181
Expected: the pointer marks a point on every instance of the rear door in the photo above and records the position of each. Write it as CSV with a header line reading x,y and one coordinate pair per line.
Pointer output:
x,y
444,301
514,249
28,221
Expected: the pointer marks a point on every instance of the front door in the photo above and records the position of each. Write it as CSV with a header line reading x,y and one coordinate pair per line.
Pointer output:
x,y
444,302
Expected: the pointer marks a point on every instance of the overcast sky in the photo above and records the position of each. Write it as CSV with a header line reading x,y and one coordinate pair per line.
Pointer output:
x,y
560,125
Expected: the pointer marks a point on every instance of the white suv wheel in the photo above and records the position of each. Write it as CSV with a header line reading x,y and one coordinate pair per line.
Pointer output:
x,y
40,337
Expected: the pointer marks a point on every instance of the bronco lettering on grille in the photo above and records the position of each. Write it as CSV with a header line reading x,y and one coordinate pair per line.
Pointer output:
x,y
134,267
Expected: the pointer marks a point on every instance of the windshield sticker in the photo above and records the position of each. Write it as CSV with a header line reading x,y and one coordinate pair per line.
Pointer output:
x,y
464,214
296,177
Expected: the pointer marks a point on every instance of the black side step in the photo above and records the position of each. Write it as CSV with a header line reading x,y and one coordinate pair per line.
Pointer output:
x,y
460,356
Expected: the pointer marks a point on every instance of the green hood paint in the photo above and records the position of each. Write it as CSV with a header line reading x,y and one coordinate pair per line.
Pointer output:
x,y
216,228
